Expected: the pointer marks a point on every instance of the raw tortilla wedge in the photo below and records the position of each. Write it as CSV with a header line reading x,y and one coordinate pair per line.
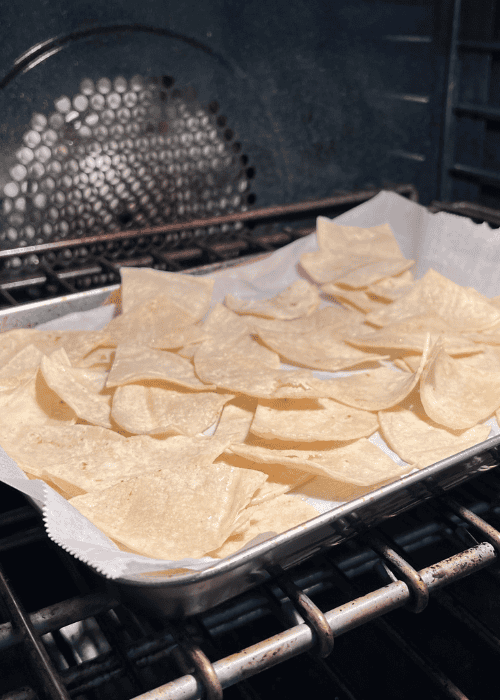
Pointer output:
x,y
309,421
463,308
422,442
375,241
360,463
322,350
138,363
458,395
271,517
78,390
95,467
148,513
300,299
153,410
192,293
377,389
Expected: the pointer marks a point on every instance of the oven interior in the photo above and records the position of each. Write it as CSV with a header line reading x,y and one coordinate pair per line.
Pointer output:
x,y
181,137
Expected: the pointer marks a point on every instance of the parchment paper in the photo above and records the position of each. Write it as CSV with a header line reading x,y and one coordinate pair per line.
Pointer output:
x,y
467,253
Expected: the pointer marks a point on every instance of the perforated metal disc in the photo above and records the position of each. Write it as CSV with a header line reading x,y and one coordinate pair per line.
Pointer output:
x,y
122,154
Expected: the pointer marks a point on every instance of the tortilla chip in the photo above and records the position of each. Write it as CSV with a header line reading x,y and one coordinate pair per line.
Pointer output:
x,y
153,410
272,517
458,395
76,388
323,419
107,461
360,462
192,293
150,322
419,441
375,241
300,299
374,272
21,367
377,389
356,297
435,295
328,266
236,418
319,349
136,363
161,515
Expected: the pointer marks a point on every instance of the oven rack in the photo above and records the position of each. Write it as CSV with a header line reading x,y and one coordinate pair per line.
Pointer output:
x,y
460,523
65,267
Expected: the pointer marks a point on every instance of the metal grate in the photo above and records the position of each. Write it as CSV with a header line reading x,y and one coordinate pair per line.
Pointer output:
x,y
120,154
80,642
69,266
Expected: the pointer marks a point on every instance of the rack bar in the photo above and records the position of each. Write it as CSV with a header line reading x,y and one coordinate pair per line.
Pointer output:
x,y
301,638
37,652
252,215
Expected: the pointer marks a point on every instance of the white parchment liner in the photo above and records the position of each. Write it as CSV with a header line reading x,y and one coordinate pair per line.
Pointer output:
x,y
467,253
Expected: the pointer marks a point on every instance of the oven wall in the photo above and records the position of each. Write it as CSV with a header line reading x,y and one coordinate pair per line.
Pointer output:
x,y
323,96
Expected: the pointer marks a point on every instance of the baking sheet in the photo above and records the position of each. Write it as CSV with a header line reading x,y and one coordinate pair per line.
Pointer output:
x,y
465,252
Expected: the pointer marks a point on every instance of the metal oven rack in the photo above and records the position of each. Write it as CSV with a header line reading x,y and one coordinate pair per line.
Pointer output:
x,y
69,266
361,639
343,623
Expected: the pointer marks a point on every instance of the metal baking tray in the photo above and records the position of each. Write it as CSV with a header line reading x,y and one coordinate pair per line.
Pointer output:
x,y
178,595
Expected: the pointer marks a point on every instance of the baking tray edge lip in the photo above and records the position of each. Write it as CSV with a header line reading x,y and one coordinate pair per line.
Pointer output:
x,y
60,305
237,560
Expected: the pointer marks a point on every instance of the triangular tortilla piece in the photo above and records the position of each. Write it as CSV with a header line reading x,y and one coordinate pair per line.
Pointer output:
x,y
252,378
273,517
224,326
149,321
411,335
11,342
110,461
141,409
20,368
360,463
229,338
391,288
463,308
255,352
422,442
356,297
330,317
376,241
51,444
375,390
457,395
280,479
179,338
137,363
321,350
326,266
31,406
193,293
327,420
79,344
374,272
162,515
77,390
236,418
300,299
